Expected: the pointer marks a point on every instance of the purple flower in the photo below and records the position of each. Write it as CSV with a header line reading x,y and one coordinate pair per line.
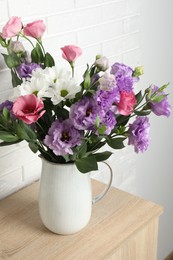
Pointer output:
x,y
84,113
62,137
106,98
162,107
139,134
25,70
109,121
9,105
123,76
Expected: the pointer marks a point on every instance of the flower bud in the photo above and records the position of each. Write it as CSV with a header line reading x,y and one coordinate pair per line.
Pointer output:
x,y
138,71
17,47
102,63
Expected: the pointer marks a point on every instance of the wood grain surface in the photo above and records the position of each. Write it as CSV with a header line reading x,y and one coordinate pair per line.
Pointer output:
x,y
122,227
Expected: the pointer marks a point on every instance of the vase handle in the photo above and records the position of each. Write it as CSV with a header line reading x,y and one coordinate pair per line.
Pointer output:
x,y
103,193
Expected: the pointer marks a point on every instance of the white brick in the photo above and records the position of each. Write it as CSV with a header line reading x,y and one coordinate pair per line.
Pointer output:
x,y
99,33
53,44
2,62
113,47
133,7
21,156
114,10
4,95
84,3
133,57
10,182
5,77
115,58
89,55
32,169
31,8
74,20
130,41
131,24
3,12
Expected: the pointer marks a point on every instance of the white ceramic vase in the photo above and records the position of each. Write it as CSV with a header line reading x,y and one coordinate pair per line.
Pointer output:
x,y
65,197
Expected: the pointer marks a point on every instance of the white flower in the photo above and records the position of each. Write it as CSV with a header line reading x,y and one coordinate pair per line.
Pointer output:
x,y
49,82
65,88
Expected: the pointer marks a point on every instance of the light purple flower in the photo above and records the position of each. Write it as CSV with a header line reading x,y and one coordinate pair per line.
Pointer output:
x,y
9,105
139,133
25,69
84,113
107,81
123,76
106,98
62,137
17,47
162,107
109,121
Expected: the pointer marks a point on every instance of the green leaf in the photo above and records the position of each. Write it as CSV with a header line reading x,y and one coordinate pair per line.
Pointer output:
x,y
15,79
101,129
48,61
122,120
139,97
116,143
158,99
7,143
87,164
37,54
33,146
102,156
87,79
82,150
24,131
7,137
163,87
12,60
142,112
6,113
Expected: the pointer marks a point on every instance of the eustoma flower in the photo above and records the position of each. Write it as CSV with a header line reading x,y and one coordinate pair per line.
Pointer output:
x,y
12,27
126,103
25,69
62,137
139,134
161,107
28,108
123,76
35,29
71,52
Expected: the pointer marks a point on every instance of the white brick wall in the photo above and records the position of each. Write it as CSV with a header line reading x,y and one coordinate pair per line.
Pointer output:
x,y
108,27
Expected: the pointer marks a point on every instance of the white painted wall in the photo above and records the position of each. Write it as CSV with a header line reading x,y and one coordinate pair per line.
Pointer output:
x,y
109,27
155,167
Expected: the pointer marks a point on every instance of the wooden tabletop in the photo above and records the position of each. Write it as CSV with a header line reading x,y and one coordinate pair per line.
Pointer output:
x,y
114,219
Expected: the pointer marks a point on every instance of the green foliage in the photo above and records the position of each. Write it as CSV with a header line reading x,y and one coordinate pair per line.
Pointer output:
x,y
87,164
48,60
11,60
116,143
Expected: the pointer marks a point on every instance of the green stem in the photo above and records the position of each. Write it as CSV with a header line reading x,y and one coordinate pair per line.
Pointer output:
x,y
22,35
40,43
41,128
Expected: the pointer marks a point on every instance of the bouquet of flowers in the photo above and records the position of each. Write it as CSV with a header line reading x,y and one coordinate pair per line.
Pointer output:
x,y
67,121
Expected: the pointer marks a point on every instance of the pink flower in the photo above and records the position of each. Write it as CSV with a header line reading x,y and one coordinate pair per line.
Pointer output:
x,y
71,52
127,102
12,27
35,29
28,108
